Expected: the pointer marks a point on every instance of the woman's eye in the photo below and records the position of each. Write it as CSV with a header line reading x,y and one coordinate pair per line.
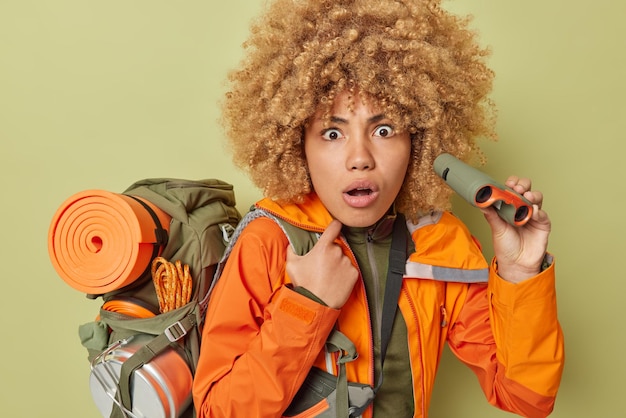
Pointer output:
x,y
331,134
383,131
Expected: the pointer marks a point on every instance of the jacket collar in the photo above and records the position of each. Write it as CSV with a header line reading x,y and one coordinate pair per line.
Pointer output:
x,y
308,214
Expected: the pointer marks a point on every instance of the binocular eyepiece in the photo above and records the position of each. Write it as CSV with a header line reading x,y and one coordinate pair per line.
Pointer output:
x,y
481,191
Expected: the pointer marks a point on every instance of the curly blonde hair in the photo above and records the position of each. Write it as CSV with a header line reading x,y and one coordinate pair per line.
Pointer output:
x,y
419,64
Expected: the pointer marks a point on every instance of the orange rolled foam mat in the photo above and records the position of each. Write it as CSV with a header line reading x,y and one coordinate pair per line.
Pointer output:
x,y
101,241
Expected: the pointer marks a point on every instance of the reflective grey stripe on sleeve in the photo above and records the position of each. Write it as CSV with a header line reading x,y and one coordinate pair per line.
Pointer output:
x,y
443,274
446,274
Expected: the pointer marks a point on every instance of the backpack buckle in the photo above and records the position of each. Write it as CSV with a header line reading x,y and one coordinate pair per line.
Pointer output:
x,y
227,231
175,332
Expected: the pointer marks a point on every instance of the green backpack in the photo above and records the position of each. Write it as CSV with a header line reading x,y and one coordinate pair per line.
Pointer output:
x,y
144,366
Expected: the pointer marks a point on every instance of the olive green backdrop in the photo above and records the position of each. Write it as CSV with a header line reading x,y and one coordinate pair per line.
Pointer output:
x,y
98,94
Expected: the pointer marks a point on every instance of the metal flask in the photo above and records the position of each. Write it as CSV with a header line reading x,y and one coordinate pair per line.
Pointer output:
x,y
159,389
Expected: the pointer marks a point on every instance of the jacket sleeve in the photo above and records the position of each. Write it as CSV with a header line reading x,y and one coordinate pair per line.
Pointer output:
x,y
260,337
509,335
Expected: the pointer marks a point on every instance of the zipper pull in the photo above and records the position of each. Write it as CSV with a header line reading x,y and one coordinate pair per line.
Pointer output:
x,y
444,316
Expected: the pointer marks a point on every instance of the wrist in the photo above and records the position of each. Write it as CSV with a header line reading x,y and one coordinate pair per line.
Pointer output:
x,y
515,273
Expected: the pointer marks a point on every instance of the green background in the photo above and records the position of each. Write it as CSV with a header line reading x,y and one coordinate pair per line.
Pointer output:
x,y
98,94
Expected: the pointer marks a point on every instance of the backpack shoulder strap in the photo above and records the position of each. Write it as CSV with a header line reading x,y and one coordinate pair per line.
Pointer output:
x,y
301,240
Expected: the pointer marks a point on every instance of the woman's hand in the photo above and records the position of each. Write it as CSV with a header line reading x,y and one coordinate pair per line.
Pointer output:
x,y
324,271
520,251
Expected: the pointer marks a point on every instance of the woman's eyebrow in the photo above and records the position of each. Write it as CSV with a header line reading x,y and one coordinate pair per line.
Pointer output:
x,y
372,119
337,119
376,118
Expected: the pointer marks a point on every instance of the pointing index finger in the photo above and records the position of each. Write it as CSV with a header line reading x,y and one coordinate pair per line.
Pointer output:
x,y
331,232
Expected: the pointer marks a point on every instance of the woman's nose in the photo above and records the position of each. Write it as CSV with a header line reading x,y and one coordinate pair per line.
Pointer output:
x,y
360,155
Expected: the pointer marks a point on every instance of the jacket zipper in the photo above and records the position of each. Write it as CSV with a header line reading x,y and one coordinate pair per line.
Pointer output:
x,y
377,313
376,278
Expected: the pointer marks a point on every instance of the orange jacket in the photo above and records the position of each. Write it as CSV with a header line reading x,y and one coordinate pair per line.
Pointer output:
x,y
260,337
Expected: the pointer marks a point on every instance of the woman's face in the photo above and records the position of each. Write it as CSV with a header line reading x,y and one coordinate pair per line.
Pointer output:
x,y
356,160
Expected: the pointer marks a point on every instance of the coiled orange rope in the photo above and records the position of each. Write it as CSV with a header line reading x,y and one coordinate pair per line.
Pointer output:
x,y
172,283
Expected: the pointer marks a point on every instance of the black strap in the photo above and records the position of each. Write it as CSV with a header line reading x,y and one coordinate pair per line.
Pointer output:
x,y
395,272
160,234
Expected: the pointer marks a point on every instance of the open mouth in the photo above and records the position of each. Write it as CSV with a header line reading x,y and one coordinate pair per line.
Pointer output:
x,y
360,191
361,194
